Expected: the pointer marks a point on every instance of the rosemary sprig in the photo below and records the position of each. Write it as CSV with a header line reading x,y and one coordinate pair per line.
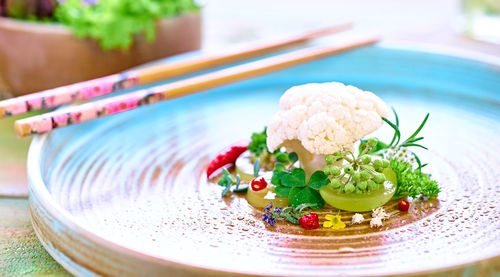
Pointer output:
x,y
412,141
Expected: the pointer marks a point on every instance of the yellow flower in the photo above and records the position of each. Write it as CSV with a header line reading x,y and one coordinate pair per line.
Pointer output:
x,y
333,221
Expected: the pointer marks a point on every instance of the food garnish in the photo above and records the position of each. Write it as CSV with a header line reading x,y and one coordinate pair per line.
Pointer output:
x,y
309,221
307,159
290,214
228,181
376,222
357,218
380,213
226,157
403,205
258,183
333,222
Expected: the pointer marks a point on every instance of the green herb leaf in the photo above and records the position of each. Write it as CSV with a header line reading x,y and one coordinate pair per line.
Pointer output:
x,y
226,178
419,127
296,178
291,218
256,168
241,188
277,173
412,182
318,180
258,144
282,191
300,196
397,133
293,157
226,190
283,158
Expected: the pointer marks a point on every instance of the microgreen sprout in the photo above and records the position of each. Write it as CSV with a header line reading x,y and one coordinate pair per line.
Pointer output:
x,y
227,181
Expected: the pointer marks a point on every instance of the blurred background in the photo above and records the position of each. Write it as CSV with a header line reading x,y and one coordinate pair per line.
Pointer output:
x,y
43,46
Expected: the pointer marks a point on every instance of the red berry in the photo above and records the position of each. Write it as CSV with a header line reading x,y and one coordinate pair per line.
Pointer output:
x,y
309,221
403,205
258,183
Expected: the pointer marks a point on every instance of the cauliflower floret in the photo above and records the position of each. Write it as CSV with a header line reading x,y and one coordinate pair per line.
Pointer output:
x,y
325,118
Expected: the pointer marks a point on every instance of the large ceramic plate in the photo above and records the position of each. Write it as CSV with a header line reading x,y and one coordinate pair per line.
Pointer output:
x,y
126,195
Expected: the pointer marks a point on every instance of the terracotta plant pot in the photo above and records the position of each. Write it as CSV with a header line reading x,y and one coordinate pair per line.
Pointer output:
x,y
35,56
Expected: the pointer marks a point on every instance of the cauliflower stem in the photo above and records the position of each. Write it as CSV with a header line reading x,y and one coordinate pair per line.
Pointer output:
x,y
308,161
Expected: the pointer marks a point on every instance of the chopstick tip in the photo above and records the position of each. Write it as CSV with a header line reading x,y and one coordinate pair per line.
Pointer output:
x,y
22,129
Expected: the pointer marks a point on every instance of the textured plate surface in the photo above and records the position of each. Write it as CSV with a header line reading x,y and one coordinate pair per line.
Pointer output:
x,y
126,195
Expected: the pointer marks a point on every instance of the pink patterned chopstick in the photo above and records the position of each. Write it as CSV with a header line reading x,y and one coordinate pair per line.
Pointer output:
x,y
90,89
98,109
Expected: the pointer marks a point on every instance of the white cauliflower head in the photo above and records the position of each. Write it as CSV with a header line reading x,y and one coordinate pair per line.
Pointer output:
x,y
325,118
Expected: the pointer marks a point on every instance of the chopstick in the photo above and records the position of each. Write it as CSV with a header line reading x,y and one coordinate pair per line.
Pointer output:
x,y
117,104
101,86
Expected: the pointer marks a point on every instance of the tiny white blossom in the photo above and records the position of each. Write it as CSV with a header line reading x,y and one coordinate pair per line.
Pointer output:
x,y
376,222
401,154
380,213
270,195
357,218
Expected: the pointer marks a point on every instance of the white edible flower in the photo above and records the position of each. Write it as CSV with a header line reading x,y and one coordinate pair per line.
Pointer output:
x,y
401,154
270,195
380,213
357,218
376,222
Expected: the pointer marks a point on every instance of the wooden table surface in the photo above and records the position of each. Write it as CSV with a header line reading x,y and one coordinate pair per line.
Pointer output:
x,y
227,23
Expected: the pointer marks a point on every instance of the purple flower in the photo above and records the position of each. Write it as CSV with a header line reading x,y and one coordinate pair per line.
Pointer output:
x,y
268,207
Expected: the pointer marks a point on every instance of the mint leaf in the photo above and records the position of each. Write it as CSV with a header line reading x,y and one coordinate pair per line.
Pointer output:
x,y
277,173
318,180
300,196
297,178
282,191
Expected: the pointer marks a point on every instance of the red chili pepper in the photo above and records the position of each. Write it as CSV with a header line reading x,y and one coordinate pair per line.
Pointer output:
x,y
227,156
258,183
309,221
403,205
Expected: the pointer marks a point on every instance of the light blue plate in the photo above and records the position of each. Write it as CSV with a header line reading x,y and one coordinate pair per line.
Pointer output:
x,y
124,195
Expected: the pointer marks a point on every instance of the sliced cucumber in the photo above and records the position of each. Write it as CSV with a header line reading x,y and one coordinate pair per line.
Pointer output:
x,y
256,198
361,202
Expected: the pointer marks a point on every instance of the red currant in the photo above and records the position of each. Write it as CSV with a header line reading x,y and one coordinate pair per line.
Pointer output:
x,y
403,205
309,221
258,183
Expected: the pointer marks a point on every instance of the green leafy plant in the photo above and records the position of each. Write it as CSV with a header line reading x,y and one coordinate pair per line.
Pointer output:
x,y
413,182
115,22
228,181
410,181
266,159
258,143
412,141
292,184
